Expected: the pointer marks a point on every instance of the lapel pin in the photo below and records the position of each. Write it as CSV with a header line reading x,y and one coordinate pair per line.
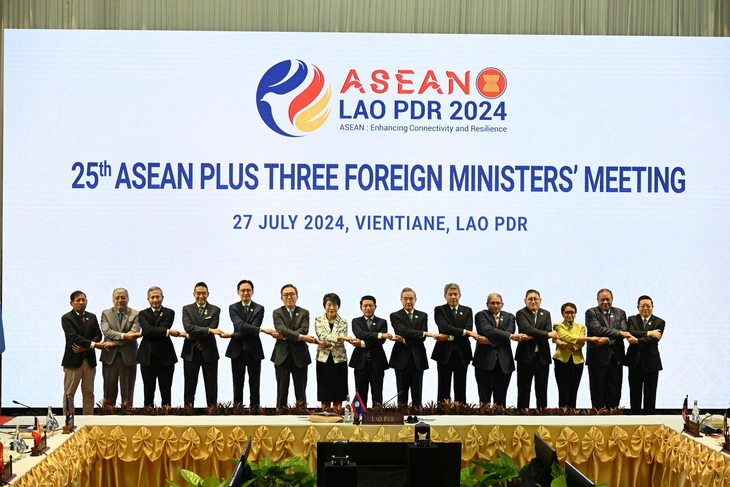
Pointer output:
x,y
540,313
415,316
461,313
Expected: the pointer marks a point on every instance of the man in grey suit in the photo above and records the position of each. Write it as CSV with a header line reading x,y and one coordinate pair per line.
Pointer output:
x,y
200,350
605,359
120,326
245,349
291,355
493,359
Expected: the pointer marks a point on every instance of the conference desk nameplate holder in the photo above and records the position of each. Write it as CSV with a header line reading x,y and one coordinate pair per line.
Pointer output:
x,y
382,418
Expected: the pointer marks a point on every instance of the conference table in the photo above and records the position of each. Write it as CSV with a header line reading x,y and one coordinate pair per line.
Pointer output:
x,y
145,450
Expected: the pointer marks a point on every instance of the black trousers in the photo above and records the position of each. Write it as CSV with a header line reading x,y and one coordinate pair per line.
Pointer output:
x,y
152,375
284,372
568,376
525,373
642,383
456,368
409,378
492,383
606,383
238,370
372,378
191,371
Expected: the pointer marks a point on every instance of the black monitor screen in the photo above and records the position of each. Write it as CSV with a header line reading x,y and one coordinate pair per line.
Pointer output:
x,y
545,453
575,477
242,473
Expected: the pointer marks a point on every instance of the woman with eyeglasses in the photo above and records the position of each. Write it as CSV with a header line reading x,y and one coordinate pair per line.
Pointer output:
x,y
568,356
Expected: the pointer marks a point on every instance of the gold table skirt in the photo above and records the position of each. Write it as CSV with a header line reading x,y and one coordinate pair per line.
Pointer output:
x,y
103,455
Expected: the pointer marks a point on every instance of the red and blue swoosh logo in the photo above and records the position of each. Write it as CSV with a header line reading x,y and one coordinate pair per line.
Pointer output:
x,y
293,98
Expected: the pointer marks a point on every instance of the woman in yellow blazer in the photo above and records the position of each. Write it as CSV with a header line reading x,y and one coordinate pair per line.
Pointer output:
x,y
331,329
568,356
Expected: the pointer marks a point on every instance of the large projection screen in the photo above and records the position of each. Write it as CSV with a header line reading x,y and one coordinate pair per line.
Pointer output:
x,y
501,163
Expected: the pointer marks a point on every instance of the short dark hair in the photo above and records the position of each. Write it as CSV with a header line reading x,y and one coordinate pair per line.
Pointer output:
x,y
529,291
641,298
367,297
602,290
332,298
75,294
201,284
289,285
568,305
244,281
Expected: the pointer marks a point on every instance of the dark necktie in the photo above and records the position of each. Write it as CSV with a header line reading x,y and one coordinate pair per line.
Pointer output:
x,y
644,328
608,318
370,323
246,309
410,317
201,309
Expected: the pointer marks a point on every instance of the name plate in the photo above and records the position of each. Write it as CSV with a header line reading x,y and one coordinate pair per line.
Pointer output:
x,y
382,418
692,428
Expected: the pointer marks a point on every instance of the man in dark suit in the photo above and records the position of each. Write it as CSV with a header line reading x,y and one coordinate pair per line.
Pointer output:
x,y
408,357
245,349
452,351
156,355
120,325
642,357
291,355
79,359
368,357
200,350
533,356
493,359
605,358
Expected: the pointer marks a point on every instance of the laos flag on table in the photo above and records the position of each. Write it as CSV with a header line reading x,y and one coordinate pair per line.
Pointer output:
x,y
357,405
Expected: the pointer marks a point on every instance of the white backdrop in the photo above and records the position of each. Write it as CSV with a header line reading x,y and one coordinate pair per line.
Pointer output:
x,y
574,107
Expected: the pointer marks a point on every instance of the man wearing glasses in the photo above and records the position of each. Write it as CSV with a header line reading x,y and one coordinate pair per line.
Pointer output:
x,y
642,357
291,355
493,360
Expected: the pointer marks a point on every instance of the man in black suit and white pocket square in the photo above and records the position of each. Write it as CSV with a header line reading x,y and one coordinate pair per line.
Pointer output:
x,y
642,357
368,357
291,356
408,357
245,350
452,351
200,349
156,354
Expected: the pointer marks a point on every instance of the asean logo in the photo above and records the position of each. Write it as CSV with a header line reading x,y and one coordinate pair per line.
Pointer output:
x,y
293,98
491,83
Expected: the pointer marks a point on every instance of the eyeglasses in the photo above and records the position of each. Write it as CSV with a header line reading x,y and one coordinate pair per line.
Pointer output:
x,y
495,302
288,295
533,299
